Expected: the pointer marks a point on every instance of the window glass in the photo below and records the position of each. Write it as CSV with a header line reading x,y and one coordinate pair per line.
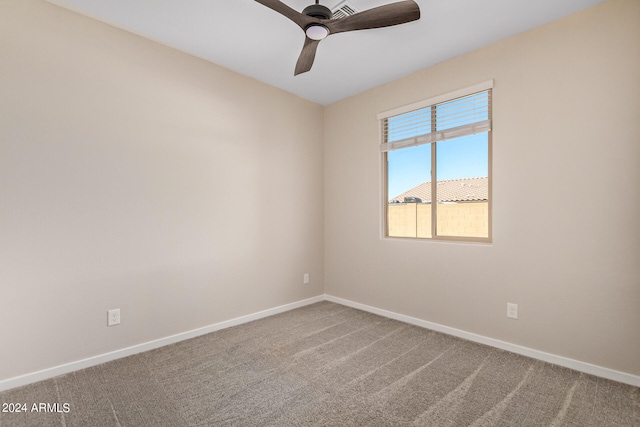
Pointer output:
x,y
462,186
408,210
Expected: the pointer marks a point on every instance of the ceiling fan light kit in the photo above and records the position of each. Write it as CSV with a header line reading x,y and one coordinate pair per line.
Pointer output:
x,y
317,32
315,20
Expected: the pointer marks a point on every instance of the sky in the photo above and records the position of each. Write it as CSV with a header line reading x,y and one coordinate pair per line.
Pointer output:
x,y
464,157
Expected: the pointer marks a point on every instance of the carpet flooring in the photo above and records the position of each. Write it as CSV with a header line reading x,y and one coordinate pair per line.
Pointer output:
x,y
325,365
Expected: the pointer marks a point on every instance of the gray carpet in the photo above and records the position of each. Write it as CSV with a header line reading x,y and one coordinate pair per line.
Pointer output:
x,y
327,365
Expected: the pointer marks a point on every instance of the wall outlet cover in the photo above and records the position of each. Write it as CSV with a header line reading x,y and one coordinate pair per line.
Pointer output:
x,y
512,310
113,317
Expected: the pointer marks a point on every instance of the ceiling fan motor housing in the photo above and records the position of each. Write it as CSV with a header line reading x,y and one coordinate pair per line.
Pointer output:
x,y
318,11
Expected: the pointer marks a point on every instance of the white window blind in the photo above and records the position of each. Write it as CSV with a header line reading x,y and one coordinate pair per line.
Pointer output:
x,y
460,113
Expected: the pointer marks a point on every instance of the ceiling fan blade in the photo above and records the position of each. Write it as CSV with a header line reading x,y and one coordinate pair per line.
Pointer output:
x,y
378,17
300,19
308,54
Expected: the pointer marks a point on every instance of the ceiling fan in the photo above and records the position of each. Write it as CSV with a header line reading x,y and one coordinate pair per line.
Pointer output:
x,y
315,20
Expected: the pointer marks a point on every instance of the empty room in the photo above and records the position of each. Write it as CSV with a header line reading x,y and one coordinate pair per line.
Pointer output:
x,y
334,213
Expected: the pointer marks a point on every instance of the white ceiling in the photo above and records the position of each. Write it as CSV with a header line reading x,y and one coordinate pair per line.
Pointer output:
x,y
253,40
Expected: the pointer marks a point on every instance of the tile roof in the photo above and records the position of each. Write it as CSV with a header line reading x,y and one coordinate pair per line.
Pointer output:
x,y
451,190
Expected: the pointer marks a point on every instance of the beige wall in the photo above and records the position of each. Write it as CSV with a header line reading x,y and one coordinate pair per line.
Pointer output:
x,y
565,141
138,177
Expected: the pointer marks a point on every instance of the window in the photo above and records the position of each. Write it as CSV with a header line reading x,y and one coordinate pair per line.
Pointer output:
x,y
437,167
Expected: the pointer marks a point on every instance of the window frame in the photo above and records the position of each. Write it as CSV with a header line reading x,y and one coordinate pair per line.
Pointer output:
x,y
430,102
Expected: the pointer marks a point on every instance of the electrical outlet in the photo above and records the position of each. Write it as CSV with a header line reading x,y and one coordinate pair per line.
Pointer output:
x,y
305,278
113,317
512,310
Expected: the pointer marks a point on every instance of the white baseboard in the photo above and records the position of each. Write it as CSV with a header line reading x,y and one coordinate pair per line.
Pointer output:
x,y
150,345
577,365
